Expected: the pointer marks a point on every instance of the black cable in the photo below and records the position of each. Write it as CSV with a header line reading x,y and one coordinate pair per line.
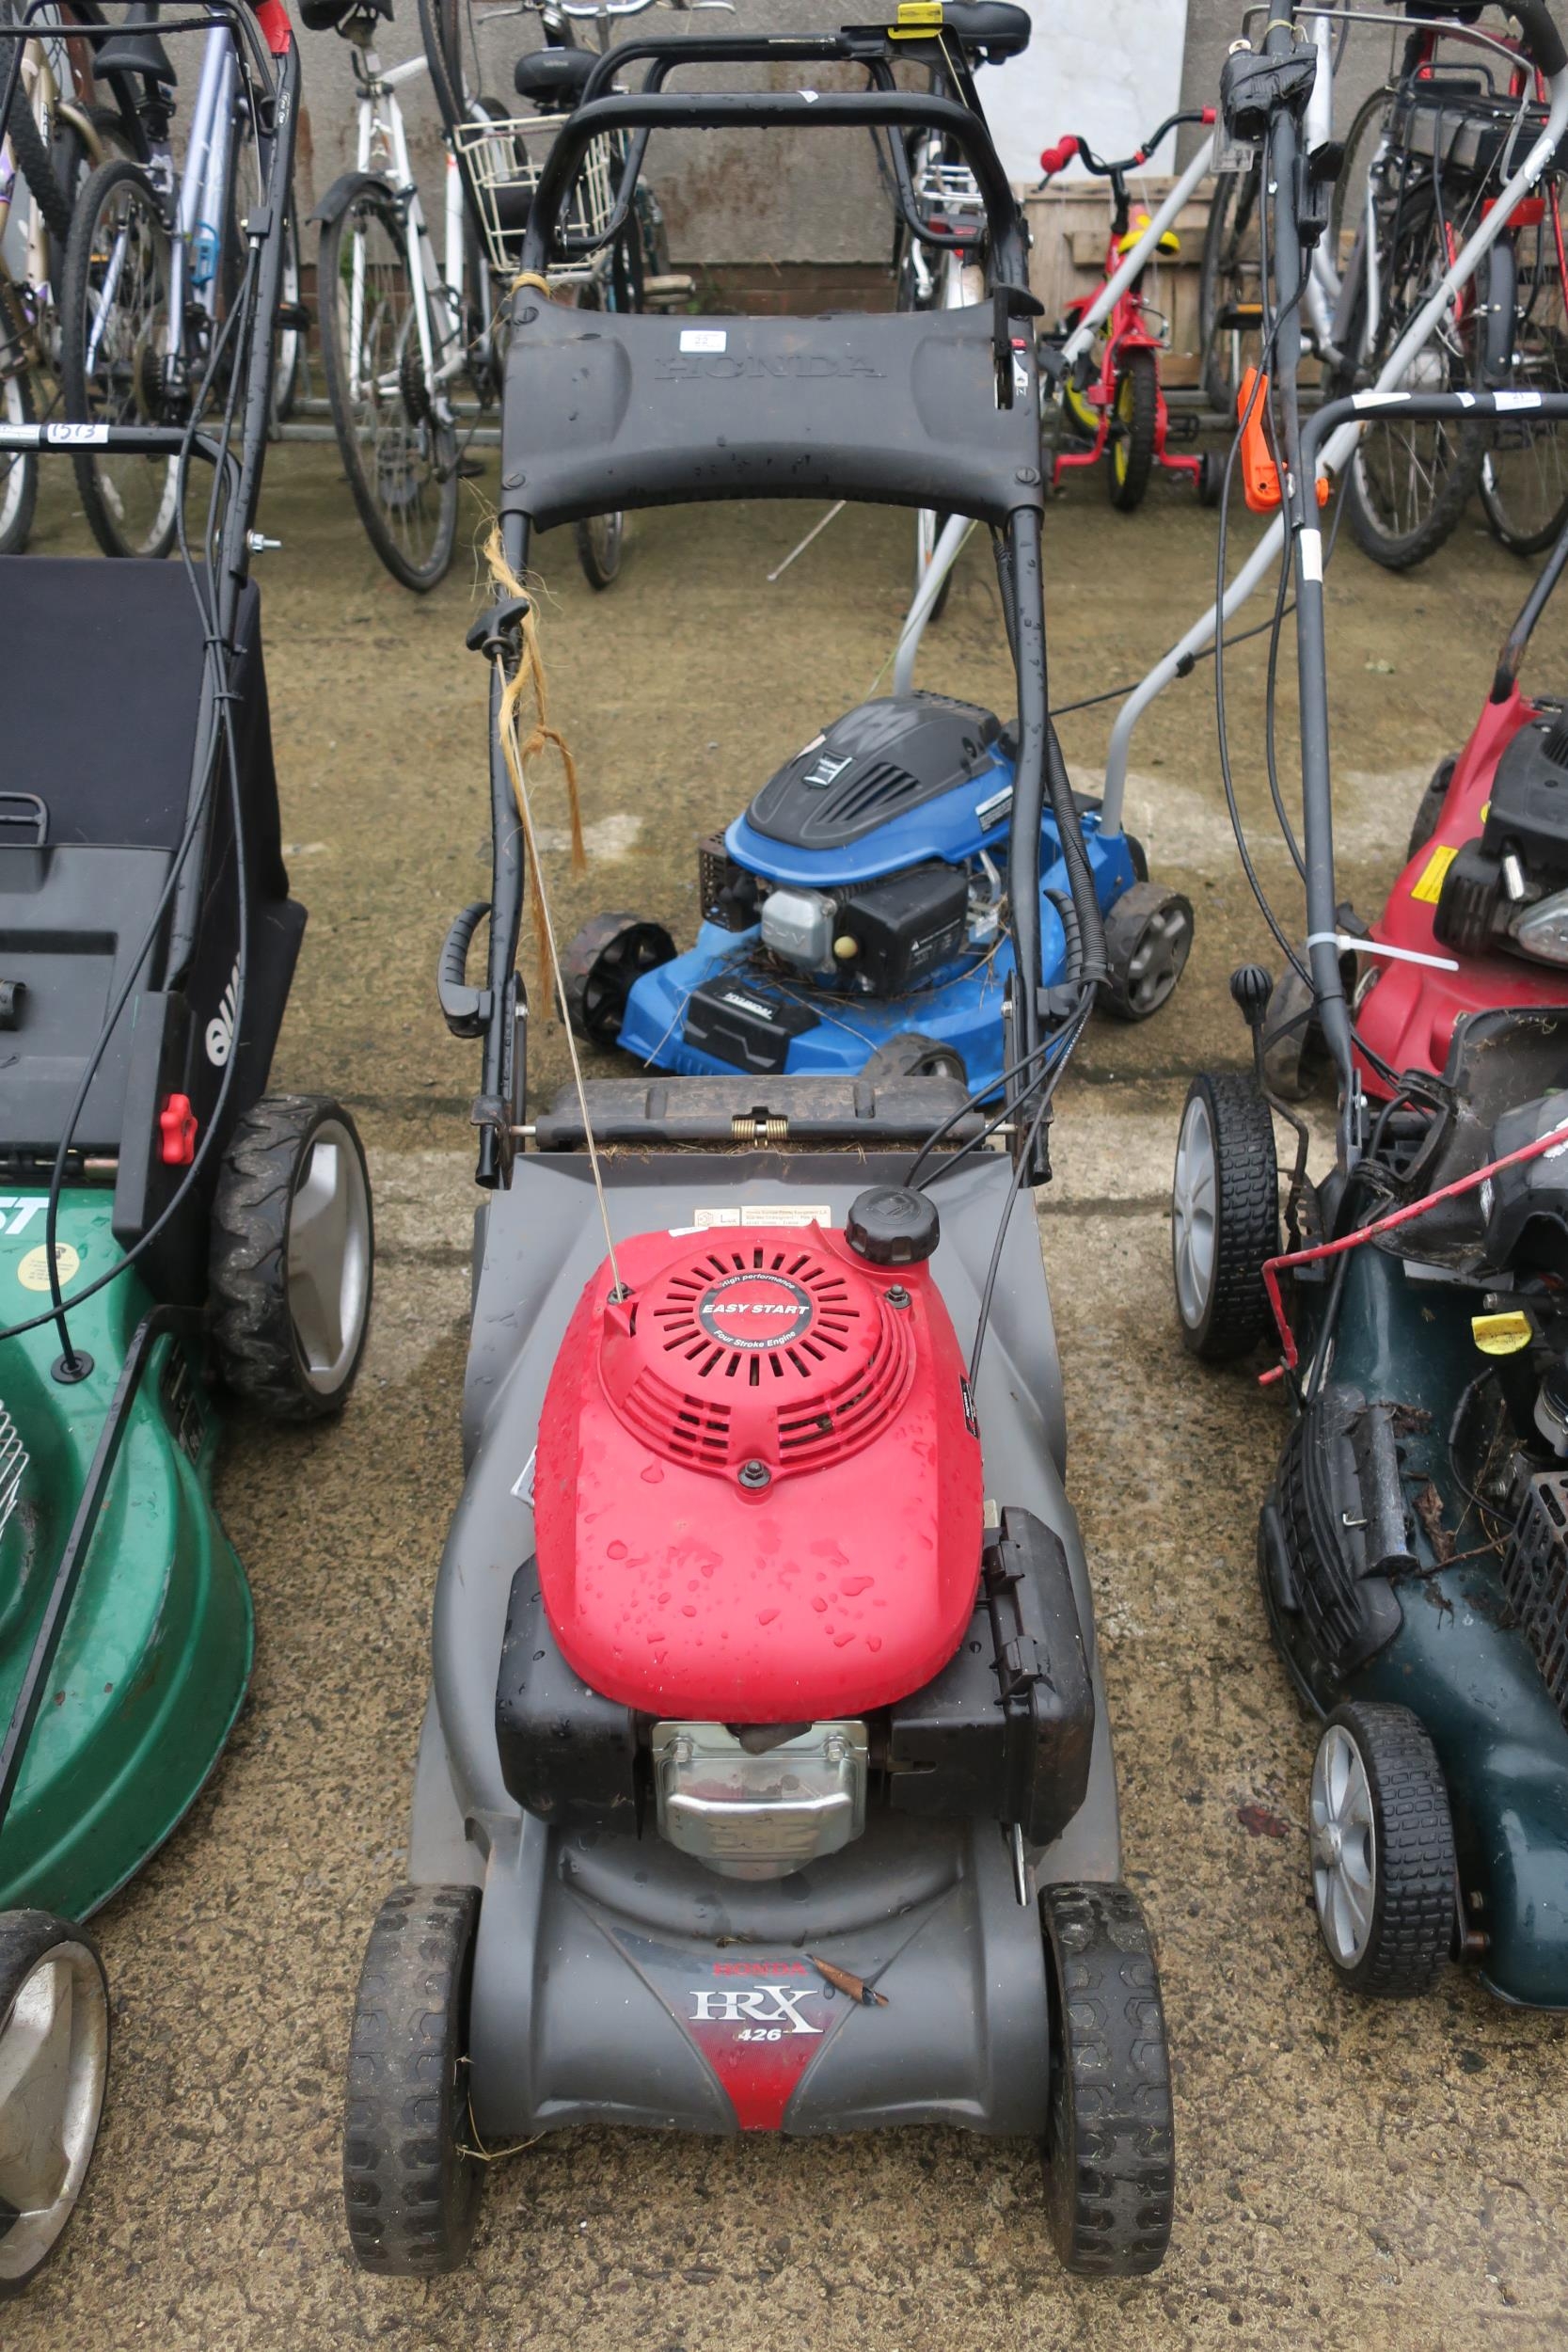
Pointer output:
x,y
976,1101
1021,1162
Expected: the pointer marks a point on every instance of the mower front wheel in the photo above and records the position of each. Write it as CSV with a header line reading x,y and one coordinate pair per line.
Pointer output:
x,y
291,1257
411,2178
1110,2142
601,967
1224,1214
53,2071
1383,1857
1148,937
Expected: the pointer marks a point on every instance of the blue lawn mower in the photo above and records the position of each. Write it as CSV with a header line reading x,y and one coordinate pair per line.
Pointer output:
x,y
855,916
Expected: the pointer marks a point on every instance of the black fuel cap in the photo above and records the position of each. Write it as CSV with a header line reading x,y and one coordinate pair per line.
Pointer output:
x,y
889,1224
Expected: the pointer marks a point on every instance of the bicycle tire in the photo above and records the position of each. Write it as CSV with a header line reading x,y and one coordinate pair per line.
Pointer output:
x,y
1457,461
1220,381
396,485
1374,106
1136,413
19,469
36,164
134,399
441,31
1524,476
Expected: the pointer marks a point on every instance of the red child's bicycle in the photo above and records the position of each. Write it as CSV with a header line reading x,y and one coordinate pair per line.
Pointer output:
x,y
1113,400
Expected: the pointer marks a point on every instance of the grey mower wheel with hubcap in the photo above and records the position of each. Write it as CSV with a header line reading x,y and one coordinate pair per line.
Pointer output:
x,y
54,2069
1224,1214
1382,1854
292,1261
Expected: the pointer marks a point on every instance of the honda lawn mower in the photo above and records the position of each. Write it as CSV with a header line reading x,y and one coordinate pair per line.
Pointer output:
x,y
161,1219
1414,1548
855,916
765,1782
1478,919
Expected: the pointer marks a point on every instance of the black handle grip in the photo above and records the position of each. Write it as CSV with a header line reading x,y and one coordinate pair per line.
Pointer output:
x,y
466,1011
1542,37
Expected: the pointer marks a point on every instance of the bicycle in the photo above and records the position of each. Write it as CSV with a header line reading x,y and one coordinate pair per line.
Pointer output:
x,y
400,331
1425,155
56,137
154,264
1115,403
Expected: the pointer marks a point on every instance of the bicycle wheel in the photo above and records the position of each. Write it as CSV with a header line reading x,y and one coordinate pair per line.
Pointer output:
x,y
1355,183
19,468
1230,288
399,451
1135,417
599,537
1524,476
113,334
1409,480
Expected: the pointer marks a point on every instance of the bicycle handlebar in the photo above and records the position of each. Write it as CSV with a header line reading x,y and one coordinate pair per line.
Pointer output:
x,y
1055,159
705,110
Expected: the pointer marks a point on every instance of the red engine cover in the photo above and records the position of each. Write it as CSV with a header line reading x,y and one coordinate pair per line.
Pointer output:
x,y
757,1497
1407,1011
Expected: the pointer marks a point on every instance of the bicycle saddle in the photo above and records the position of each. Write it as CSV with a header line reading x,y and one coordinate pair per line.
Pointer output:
x,y
554,78
988,28
137,48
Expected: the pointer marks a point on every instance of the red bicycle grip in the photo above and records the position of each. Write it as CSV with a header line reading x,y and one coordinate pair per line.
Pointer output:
x,y
1054,159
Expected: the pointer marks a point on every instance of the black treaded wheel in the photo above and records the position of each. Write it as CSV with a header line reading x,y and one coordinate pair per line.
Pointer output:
x,y
1148,937
292,1259
1110,2140
1429,808
599,541
1134,418
1383,1855
54,2001
411,2181
599,967
1225,1215
913,1055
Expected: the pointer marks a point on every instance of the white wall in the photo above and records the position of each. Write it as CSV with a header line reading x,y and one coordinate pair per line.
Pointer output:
x,y
1110,70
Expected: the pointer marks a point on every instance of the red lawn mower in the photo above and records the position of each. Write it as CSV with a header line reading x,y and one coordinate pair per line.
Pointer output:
x,y
1478,919
1114,400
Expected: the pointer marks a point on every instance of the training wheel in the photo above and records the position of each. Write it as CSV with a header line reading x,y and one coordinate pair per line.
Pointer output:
x,y
292,1259
1383,1858
1148,937
54,2067
601,967
1224,1214
1110,2140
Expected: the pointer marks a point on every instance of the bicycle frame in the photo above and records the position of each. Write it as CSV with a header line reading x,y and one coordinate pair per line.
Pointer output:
x,y
1129,330
381,151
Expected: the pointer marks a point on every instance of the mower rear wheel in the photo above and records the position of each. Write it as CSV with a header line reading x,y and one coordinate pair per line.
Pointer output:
x,y
1110,2142
600,968
1148,937
293,1256
53,2071
913,1055
1225,1215
1383,1857
411,2177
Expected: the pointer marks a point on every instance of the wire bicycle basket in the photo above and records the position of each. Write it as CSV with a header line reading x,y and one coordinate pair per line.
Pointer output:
x,y
504,161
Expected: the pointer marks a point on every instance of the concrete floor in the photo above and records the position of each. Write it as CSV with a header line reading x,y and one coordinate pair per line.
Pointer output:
x,y
1349,2174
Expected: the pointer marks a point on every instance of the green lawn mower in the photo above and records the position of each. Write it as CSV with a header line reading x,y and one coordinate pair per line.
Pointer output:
x,y
163,1224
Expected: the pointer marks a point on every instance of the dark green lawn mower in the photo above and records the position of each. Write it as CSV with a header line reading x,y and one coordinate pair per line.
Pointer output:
x,y
165,1226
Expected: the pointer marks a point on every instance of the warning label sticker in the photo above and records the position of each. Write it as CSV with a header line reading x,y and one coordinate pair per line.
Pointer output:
x,y
1430,888
772,1213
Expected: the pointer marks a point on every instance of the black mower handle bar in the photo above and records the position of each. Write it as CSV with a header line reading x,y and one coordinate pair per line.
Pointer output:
x,y
1542,39
1367,407
1055,159
770,110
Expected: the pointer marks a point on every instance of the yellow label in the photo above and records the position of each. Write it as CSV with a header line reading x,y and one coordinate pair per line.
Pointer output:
x,y
1501,1335
916,18
1430,888
1485,811
32,1271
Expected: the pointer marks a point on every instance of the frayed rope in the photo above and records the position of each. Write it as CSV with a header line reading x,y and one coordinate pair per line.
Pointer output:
x,y
528,682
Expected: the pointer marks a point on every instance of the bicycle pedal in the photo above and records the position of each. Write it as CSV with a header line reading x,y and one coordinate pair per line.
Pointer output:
x,y
296,316
470,468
